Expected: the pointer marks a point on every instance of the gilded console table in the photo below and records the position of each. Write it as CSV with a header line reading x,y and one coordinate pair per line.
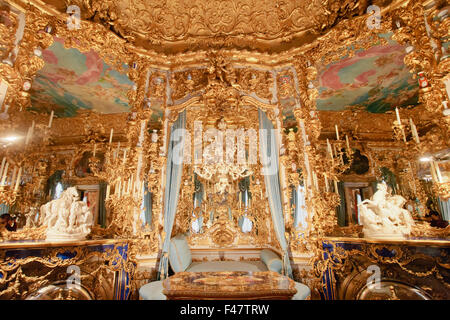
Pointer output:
x,y
423,265
102,267
229,285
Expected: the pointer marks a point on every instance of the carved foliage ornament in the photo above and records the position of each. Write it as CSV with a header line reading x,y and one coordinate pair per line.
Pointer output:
x,y
181,20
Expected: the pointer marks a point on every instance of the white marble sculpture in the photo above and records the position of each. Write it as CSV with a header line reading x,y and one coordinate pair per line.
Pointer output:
x,y
30,218
66,218
384,216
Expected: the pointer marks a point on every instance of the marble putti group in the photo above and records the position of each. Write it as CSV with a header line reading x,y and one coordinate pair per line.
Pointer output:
x,y
384,216
66,218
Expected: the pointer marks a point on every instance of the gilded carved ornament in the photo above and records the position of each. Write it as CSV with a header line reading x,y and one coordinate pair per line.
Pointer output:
x,y
171,22
96,275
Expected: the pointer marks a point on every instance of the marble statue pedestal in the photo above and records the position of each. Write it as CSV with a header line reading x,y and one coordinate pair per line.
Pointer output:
x,y
60,236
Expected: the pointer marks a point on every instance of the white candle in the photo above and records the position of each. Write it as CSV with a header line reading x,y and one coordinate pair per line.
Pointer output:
x,y
116,152
336,187
32,130
13,178
400,123
124,156
124,188
398,115
51,119
337,132
108,188
447,87
165,134
330,151
95,149
433,171
3,166
5,172
138,188
3,90
348,144
27,138
438,172
316,186
305,137
29,134
119,188
139,164
326,182
18,179
414,131
141,135
111,136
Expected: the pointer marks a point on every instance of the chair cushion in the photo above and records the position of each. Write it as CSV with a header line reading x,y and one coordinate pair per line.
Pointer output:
x,y
152,291
303,292
216,266
179,253
271,260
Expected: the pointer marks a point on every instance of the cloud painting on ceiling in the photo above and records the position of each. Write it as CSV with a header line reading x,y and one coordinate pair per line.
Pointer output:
x,y
375,79
72,80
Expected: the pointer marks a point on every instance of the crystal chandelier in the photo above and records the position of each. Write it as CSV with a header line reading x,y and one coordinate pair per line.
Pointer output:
x,y
219,171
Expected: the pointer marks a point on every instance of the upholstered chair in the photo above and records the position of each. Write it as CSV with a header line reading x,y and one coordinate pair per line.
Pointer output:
x,y
180,260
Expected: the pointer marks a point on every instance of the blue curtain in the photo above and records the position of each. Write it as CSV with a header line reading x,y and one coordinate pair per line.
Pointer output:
x,y
269,160
173,180
444,207
341,209
53,181
4,208
146,206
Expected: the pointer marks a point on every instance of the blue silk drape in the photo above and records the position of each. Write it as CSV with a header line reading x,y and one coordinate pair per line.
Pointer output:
x,y
173,181
269,160
444,207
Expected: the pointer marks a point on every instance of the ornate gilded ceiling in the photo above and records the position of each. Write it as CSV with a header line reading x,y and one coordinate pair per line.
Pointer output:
x,y
174,26
71,80
270,47
375,79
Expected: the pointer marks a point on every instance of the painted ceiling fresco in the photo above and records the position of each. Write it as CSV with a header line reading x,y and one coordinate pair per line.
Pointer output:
x,y
71,80
375,79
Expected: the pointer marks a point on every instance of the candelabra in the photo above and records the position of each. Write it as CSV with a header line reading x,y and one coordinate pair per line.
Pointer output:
x,y
23,174
419,147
